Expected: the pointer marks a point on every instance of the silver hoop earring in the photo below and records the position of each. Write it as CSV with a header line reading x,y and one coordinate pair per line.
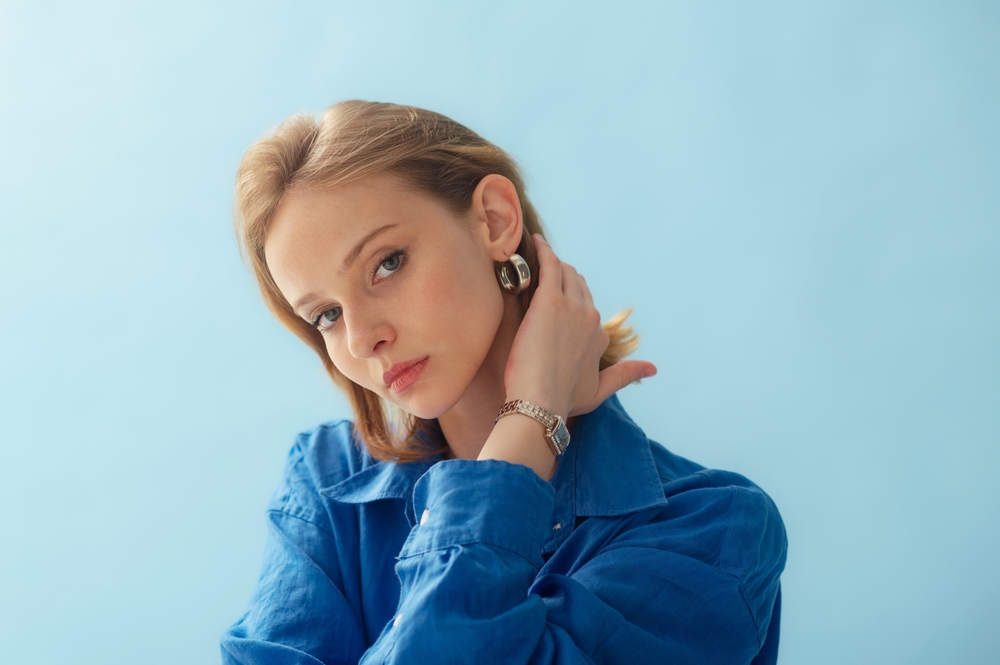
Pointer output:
x,y
519,267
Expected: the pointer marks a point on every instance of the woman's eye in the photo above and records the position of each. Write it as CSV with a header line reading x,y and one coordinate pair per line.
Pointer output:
x,y
389,265
326,318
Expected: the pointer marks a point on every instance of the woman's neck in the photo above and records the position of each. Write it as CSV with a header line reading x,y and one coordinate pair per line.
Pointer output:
x,y
469,423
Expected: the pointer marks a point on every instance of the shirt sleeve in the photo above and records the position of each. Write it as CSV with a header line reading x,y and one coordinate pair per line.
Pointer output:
x,y
299,611
692,582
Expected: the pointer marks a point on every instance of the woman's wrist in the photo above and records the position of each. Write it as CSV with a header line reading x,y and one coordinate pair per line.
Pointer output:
x,y
520,439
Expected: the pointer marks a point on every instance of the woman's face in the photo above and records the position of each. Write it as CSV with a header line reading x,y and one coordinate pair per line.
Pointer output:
x,y
402,289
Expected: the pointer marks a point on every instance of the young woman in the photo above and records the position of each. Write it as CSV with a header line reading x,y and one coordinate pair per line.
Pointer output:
x,y
491,502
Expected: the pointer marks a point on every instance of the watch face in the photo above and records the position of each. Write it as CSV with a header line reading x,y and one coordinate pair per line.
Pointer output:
x,y
560,437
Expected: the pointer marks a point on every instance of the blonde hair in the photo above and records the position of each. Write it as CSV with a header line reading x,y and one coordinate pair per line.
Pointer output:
x,y
352,140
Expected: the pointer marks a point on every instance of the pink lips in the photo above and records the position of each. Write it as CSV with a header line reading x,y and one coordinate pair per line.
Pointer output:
x,y
401,375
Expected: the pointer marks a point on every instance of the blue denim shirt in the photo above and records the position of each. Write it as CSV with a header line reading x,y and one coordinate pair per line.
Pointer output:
x,y
630,554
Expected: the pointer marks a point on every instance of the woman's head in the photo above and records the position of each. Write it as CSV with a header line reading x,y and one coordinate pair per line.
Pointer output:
x,y
441,205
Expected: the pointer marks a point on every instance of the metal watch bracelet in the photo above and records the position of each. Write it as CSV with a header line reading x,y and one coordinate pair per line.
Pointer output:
x,y
555,427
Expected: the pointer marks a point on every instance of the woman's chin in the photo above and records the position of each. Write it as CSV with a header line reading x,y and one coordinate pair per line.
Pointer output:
x,y
424,406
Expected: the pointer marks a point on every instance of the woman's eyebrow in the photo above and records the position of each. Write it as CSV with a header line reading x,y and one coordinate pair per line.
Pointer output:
x,y
352,257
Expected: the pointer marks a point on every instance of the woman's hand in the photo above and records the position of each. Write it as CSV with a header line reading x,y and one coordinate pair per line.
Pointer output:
x,y
554,362
555,357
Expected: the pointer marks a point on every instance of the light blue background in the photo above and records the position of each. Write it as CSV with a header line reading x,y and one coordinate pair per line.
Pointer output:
x,y
800,200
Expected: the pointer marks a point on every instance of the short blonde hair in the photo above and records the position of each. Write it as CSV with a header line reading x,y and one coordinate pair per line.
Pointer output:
x,y
352,140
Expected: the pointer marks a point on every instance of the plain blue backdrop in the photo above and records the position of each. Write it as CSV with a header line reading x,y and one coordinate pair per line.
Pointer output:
x,y
800,200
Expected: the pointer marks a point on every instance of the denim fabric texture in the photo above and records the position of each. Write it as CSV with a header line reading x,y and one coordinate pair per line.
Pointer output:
x,y
630,554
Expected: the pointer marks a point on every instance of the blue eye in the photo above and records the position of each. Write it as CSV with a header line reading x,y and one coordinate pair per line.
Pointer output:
x,y
326,318
389,265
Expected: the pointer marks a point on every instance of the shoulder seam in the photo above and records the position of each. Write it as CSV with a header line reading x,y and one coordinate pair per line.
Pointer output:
x,y
753,619
742,576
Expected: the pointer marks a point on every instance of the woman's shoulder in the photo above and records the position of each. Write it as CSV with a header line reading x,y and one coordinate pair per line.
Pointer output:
x,y
716,520
319,458
741,527
667,502
678,474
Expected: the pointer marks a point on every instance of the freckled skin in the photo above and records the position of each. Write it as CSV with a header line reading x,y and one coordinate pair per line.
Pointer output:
x,y
442,303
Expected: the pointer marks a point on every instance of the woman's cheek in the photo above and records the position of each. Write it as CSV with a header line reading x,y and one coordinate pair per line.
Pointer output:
x,y
342,361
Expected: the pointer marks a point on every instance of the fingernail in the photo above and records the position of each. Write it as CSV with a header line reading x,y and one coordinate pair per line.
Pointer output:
x,y
646,373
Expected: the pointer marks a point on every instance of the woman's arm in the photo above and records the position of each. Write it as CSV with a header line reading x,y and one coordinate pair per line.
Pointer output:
x,y
692,582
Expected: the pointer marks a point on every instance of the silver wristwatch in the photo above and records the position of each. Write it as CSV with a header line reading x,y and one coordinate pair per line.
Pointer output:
x,y
555,427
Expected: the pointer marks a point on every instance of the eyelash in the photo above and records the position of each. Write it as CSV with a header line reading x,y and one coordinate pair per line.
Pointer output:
x,y
401,254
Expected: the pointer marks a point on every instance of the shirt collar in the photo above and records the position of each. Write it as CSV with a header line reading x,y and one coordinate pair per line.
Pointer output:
x,y
607,470
613,468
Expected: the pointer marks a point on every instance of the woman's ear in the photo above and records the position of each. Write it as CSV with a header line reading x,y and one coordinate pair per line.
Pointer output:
x,y
498,208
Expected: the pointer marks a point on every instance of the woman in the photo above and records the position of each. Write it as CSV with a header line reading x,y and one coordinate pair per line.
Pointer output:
x,y
491,502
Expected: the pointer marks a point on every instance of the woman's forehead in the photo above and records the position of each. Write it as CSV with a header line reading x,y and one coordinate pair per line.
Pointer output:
x,y
318,228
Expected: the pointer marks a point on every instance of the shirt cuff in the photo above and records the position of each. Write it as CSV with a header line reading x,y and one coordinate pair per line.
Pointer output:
x,y
462,502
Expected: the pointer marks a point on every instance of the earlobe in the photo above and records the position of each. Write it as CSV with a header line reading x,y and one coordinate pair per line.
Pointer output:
x,y
499,206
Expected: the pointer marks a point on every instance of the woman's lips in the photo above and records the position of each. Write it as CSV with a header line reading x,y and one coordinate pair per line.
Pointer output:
x,y
402,375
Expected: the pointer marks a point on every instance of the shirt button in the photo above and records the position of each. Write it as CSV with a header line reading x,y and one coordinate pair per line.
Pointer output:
x,y
395,622
557,527
426,514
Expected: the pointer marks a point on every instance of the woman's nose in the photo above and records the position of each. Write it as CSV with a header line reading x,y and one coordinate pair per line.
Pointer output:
x,y
367,335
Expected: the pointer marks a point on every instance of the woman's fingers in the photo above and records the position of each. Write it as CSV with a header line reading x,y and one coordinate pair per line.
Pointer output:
x,y
613,379
571,282
549,268
585,290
